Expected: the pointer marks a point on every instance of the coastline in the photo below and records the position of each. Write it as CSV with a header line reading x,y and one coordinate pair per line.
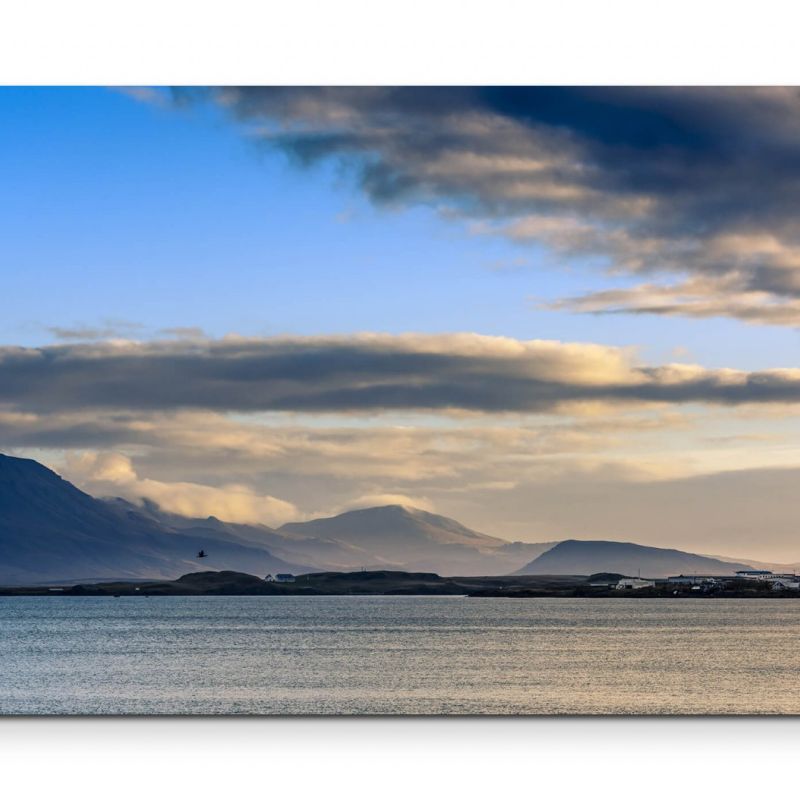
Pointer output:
x,y
396,583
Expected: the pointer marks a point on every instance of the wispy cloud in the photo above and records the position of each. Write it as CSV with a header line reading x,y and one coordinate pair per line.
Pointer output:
x,y
700,298
109,329
152,95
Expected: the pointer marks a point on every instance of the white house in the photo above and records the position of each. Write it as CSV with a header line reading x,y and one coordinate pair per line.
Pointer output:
x,y
634,583
754,574
780,584
284,577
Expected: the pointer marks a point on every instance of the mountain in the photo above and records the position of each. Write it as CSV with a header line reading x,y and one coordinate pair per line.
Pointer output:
x,y
52,531
403,538
384,537
573,557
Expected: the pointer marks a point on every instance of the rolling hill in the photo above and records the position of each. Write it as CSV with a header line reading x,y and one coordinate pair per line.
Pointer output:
x,y
573,557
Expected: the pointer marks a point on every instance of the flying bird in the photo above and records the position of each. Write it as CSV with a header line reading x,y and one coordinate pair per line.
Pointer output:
x,y
202,554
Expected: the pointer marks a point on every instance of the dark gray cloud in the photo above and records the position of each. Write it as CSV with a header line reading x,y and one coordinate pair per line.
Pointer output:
x,y
704,149
702,181
362,373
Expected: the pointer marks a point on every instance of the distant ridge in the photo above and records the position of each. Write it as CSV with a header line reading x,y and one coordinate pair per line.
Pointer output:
x,y
384,537
50,531
418,541
575,557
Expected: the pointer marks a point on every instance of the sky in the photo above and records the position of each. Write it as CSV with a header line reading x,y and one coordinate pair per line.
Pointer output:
x,y
546,312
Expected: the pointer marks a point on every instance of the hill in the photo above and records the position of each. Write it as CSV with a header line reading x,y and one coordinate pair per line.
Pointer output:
x,y
52,531
574,557
399,537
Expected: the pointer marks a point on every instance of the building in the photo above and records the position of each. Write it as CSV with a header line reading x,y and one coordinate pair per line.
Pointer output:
x,y
284,577
777,581
687,580
698,580
785,583
754,574
634,583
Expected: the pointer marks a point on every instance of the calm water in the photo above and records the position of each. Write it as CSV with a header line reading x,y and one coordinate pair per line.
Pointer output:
x,y
392,655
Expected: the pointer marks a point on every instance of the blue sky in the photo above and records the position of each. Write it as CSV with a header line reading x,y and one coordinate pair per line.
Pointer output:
x,y
116,210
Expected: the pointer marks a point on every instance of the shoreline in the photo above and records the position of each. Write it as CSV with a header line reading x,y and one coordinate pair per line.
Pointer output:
x,y
395,583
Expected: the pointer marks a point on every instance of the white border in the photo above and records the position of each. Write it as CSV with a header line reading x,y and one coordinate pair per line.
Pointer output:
x,y
369,42
396,758
414,42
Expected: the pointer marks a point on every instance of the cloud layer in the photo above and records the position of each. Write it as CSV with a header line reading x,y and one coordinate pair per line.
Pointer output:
x,y
699,182
364,373
163,420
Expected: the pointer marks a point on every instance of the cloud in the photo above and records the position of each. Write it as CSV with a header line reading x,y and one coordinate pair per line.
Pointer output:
x,y
113,473
536,477
695,299
702,182
699,298
111,329
213,448
386,499
184,332
364,373
150,95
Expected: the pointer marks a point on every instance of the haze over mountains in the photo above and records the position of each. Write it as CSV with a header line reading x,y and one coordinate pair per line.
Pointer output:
x,y
52,531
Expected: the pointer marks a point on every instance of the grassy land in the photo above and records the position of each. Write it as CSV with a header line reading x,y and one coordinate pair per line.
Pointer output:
x,y
384,582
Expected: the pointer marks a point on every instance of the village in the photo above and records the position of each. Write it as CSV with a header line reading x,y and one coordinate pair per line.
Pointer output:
x,y
765,578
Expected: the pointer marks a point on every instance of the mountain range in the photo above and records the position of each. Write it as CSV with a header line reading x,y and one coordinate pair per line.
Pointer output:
x,y
50,531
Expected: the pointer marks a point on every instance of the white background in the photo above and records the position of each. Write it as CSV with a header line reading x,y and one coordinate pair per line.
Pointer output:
x,y
402,758
93,42
411,42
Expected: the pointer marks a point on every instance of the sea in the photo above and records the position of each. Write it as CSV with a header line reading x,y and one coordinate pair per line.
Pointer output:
x,y
398,655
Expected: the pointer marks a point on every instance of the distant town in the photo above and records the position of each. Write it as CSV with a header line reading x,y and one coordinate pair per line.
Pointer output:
x,y
711,583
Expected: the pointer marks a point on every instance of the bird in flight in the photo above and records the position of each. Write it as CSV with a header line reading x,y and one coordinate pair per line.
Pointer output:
x,y
202,554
